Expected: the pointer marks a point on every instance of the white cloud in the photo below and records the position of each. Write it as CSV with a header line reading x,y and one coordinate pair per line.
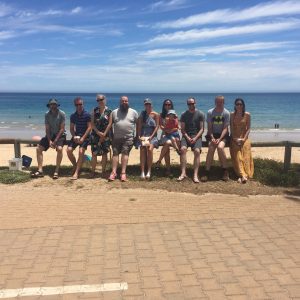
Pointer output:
x,y
76,10
193,35
177,76
165,5
219,49
268,9
5,10
4,35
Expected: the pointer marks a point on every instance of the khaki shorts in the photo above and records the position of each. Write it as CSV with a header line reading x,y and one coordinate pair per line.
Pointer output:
x,y
122,146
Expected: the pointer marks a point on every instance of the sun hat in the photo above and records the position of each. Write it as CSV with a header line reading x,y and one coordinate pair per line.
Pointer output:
x,y
172,112
52,101
147,101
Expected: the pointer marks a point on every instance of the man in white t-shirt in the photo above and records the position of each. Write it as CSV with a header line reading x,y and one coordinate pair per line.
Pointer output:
x,y
123,121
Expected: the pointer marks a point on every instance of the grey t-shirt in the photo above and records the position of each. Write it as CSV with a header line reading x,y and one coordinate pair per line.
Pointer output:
x,y
219,120
124,123
192,121
54,120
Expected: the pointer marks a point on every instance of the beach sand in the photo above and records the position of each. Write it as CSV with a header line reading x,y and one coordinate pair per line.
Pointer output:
x,y
7,153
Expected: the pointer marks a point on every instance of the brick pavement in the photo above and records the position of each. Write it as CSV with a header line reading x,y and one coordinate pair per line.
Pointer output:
x,y
164,245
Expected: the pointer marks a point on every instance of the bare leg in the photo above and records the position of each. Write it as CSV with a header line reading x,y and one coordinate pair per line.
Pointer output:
x,y
124,162
168,160
149,160
222,155
210,155
39,157
115,162
71,156
59,157
165,149
79,162
196,164
143,160
183,162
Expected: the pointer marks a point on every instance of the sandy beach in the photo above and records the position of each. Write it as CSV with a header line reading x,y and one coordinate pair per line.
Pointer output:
x,y
276,153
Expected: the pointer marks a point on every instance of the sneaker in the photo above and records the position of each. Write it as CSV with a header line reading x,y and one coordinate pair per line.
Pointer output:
x,y
112,176
148,176
225,175
123,177
143,176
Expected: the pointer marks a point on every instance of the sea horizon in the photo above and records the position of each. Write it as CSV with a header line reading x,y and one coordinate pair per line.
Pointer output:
x,y
25,118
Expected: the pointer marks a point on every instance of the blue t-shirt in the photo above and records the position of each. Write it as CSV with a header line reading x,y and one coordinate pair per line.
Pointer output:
x,y
81,122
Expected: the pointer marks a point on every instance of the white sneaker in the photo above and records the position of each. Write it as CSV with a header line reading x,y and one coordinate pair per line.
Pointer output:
x,y
143,175
148,176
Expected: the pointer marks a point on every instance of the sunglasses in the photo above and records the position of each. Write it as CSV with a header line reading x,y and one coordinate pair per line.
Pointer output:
x,y
168,104
99,100
239,104
191,104
78,104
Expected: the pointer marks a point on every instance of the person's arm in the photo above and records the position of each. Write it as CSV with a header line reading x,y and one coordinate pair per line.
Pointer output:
x,y
87,132
72,129
200,132
156,118
47,128
59,134
139,127
248,126
110,122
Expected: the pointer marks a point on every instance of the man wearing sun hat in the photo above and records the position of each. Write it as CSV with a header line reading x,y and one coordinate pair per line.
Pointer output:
x,y
55,137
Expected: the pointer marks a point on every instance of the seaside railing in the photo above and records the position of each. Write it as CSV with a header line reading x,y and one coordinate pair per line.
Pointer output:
x,y
286,144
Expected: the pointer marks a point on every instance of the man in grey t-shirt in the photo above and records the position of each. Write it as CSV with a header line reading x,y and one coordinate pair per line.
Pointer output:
x,y
192,127
55,137
218,120
123,121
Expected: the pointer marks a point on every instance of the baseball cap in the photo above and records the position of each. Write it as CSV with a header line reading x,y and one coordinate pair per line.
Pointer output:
x,y
147,101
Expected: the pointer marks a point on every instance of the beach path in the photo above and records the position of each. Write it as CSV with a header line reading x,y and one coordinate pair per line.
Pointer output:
x,y
160,244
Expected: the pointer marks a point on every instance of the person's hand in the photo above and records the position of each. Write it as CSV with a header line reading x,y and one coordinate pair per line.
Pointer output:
x,y
100,134
192,141
102,139
80,141
52,144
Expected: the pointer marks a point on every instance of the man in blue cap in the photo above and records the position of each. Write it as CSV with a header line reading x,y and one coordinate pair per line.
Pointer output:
x,y
55,137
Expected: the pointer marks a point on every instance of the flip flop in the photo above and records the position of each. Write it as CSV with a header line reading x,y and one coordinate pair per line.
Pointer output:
x,y
37,174
55,175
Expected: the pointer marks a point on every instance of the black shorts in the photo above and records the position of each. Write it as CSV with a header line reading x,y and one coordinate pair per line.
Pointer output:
x,y
45,143
74,145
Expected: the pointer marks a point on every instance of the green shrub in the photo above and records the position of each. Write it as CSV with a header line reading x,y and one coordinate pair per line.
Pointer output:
x,y
11,177
270,172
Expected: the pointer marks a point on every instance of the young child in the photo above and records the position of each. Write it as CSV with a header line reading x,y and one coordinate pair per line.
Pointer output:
x,y
171,129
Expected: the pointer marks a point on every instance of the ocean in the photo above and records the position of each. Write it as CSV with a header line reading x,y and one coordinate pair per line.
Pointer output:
x,y
22,114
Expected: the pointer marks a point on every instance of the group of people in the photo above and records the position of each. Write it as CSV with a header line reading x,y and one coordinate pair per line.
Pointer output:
x,y
124,128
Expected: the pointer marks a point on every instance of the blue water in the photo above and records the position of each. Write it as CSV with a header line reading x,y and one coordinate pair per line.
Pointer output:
x,y
24,112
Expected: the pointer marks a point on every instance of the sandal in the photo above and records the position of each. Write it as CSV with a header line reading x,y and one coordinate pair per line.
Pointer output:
x,y
123,177
244,180
55,175
181,178
37,174
196,180
112,176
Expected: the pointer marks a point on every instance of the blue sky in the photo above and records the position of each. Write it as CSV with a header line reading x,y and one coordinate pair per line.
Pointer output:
x,y
150,46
